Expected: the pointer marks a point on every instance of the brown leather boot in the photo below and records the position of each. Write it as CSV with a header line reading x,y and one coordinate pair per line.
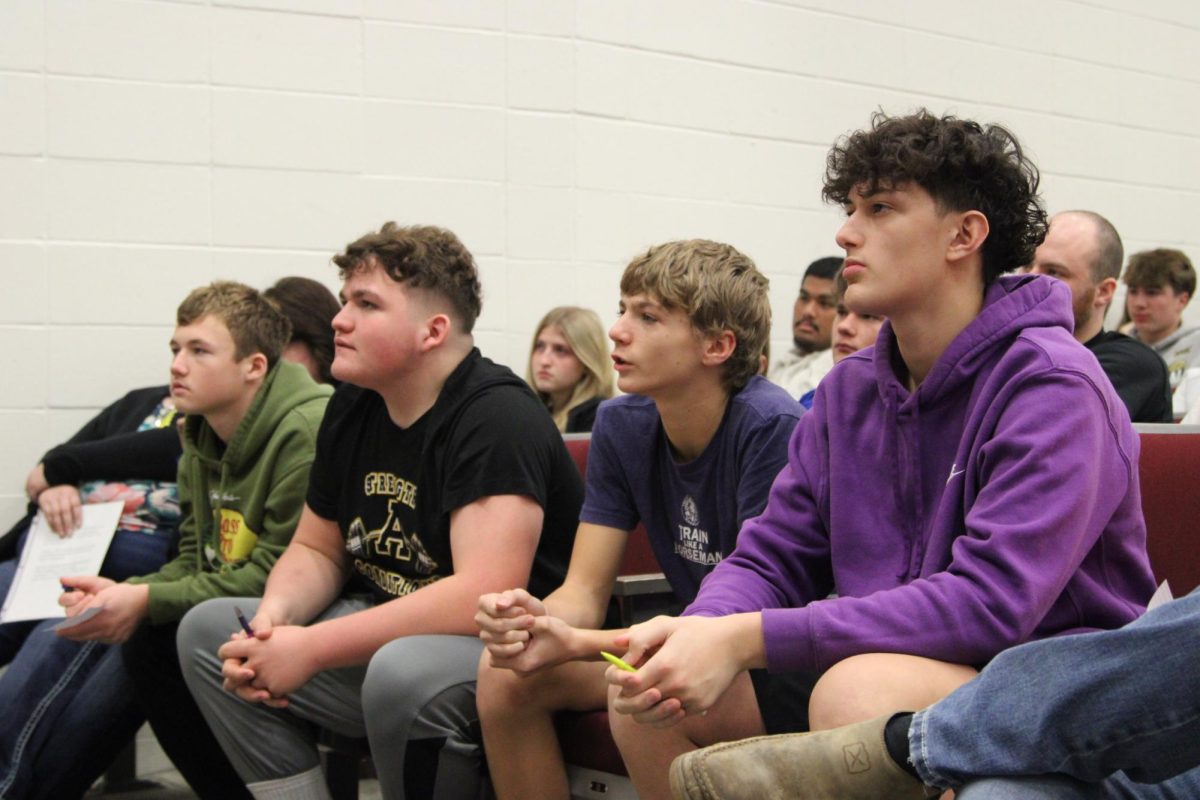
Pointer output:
x,y
849,763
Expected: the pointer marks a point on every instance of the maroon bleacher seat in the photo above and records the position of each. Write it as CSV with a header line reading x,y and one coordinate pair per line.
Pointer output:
x,y
585,737
1169,466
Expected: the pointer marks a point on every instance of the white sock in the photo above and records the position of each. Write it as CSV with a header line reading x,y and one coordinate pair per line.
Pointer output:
x,y
305,786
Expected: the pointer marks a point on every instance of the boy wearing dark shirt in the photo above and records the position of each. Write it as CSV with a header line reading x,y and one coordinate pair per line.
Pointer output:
x,y
690,453
439,477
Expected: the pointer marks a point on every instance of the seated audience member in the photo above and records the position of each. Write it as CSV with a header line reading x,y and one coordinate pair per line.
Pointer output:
x,y
801,368
439,477
569,367
310,307
249,435
709,437
1161,282
1105,714
930,487
1083,250
851,331
105,460
108,461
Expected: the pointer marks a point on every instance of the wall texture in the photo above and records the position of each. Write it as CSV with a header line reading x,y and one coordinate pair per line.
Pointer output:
x,y
148,146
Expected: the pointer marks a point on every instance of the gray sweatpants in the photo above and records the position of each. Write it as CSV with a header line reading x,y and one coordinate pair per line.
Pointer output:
x,y
415,702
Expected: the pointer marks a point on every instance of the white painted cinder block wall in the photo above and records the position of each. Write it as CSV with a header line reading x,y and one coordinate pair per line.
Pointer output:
x,y
149,146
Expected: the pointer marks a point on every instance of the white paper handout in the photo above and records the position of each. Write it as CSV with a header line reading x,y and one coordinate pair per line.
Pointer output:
x,y
47,558
1162,596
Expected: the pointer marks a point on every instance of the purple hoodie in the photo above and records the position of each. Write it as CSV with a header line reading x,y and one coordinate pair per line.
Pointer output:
x,y
996,504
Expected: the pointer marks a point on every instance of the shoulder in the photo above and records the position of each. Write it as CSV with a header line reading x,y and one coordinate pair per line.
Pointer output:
x,y
762,400
1050,347
350,402
629,412
1188,340
1126,348
148,394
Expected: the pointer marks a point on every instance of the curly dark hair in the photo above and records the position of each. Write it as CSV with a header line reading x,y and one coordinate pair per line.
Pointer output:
x,y
424,257
963,165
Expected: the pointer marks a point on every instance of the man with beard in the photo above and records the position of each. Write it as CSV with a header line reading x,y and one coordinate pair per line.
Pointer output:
x,y
1083,250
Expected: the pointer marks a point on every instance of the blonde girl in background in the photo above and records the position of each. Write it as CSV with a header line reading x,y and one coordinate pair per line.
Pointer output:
x,y
570,368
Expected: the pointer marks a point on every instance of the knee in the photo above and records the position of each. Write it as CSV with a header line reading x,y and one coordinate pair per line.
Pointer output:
x,y
204,629
504,693
402,675
499,692
848,692
624,728
872,684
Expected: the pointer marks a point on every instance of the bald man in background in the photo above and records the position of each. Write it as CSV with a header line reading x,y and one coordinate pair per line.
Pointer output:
x,y
1083,250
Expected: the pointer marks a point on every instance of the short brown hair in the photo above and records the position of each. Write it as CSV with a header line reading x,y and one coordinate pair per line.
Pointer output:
x,y
255,324
310,307
963,165
1154,269
423,257
718,287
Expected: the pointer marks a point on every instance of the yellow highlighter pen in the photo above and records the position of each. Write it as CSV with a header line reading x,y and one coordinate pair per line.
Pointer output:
x,y
617,662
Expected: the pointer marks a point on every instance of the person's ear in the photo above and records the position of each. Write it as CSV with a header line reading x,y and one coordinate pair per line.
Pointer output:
x,y
255,367
1105,290
719,347
435,332
970,231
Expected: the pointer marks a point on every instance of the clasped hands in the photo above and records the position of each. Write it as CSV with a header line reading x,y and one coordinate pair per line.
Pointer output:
x,y
520,635
684,664
267,667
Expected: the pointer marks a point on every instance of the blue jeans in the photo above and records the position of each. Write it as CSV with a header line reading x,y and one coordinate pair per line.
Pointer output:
x,y
68,706
1113,714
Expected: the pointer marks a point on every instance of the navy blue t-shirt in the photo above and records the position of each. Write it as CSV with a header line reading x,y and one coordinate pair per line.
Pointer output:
x,y
691,511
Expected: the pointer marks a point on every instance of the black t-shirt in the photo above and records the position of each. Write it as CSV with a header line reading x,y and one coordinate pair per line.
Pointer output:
x,y
392,490
1137,373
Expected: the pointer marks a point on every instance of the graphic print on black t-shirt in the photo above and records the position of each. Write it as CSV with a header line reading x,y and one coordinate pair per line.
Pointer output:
x,y
383,535
372,548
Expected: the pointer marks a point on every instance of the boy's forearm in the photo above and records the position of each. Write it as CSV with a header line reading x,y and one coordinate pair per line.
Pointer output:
x,y
586,644
301,584
579,606
445,607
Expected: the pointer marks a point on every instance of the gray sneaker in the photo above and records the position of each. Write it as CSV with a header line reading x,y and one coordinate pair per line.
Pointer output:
x,y
850,763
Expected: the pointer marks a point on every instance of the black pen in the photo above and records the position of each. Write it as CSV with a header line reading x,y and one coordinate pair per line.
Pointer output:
x,y
242,621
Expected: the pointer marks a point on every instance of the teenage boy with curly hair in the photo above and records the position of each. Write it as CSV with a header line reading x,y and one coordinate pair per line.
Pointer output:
x,y
710,436
968,484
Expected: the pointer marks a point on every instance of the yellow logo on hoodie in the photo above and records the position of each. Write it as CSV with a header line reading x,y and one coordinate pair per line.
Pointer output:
x,y
237,540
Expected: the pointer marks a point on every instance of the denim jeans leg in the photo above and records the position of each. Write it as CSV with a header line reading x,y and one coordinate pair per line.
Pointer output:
x,y
39,685
68,706
89,733
1084,706
1185,786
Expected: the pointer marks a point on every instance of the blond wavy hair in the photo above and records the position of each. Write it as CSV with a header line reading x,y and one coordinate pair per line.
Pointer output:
x,y
582,329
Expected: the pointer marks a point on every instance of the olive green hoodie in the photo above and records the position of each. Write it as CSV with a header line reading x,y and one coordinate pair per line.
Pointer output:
x,y
240,501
